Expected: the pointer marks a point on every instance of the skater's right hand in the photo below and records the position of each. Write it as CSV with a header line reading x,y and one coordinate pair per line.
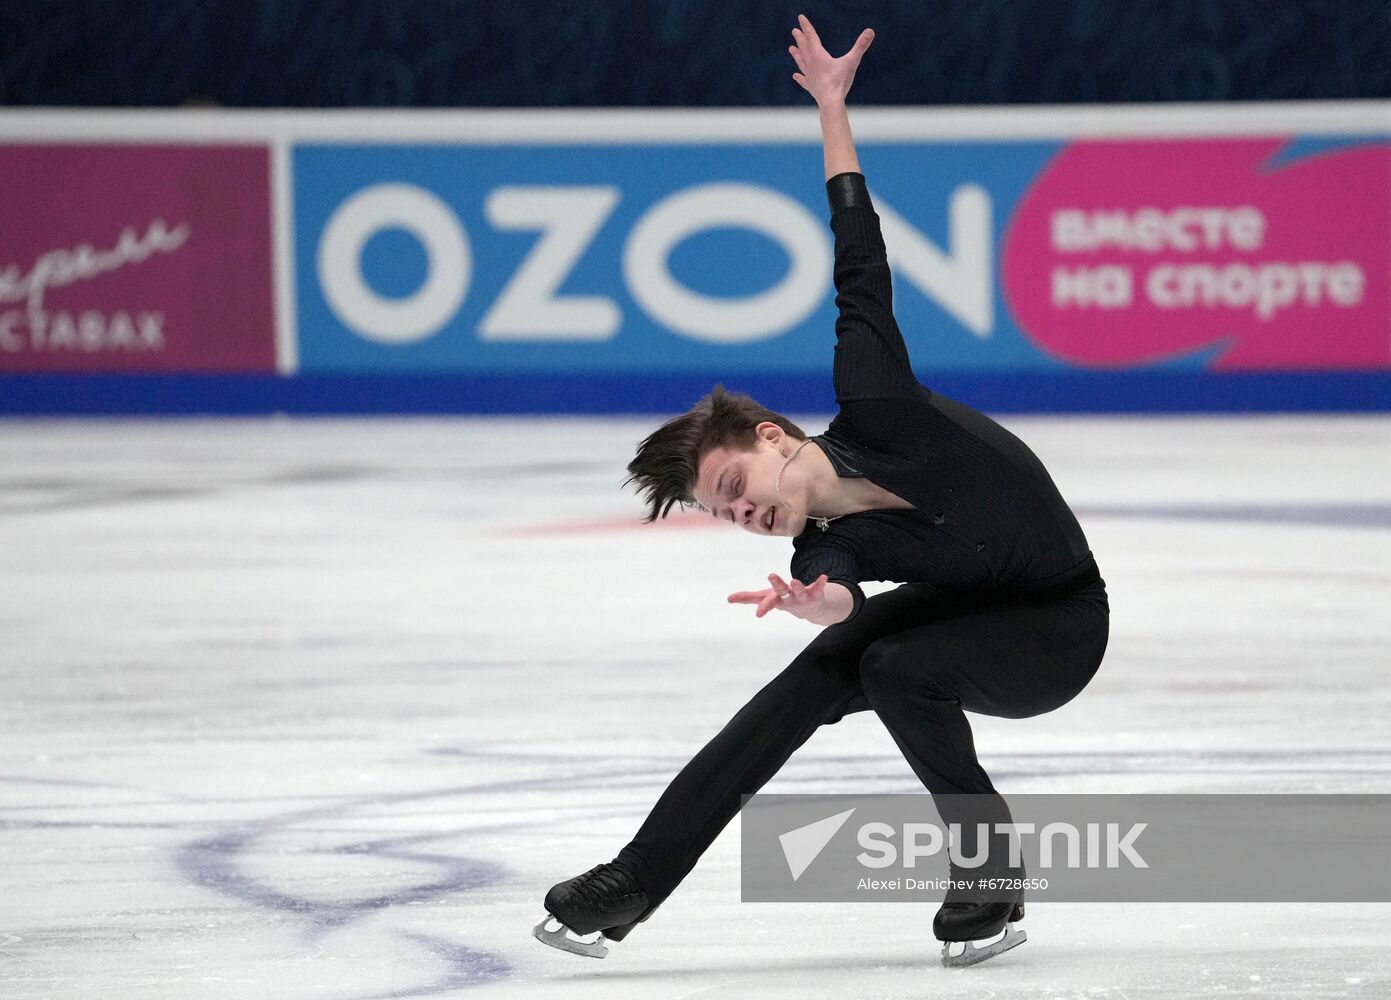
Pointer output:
x,y
807,602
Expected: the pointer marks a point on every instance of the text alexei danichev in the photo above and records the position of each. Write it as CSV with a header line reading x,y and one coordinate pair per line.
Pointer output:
x,y
943,884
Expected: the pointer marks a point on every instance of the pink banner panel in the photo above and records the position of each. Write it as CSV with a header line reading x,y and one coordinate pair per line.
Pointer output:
x,y
1130,253
136,258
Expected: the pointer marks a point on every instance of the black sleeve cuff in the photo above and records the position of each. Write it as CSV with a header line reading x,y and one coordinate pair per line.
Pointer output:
x,y
847,191
855,592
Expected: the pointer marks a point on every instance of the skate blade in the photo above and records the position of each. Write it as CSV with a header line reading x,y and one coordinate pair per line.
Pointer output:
x,y
560,938
973,954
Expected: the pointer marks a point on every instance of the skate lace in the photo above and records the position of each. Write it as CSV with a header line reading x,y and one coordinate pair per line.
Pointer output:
x,y
600,883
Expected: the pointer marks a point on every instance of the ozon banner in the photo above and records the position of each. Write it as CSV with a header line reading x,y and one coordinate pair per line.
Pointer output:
x,y
135,259
1218,254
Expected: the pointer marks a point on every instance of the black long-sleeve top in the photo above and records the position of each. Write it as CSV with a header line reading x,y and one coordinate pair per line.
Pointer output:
x,y
987,521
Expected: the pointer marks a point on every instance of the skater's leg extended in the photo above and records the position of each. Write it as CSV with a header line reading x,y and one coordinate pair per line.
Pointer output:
x,y
749,750
697,805
819,687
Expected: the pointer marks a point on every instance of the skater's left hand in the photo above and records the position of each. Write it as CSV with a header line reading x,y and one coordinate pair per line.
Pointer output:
x,y
805,602
825,78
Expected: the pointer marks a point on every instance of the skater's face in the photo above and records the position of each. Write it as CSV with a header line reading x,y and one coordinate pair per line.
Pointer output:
x,y
740,485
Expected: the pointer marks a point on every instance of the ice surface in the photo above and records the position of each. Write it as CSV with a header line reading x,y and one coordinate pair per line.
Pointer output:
x,y
320,708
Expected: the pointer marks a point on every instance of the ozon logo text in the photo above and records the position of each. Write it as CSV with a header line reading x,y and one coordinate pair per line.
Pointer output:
x,y
959,277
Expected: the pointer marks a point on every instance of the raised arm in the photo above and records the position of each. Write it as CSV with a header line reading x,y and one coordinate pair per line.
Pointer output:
x,y
871,357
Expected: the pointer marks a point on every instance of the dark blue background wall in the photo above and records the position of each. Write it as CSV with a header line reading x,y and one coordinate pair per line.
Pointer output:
x,y
343,53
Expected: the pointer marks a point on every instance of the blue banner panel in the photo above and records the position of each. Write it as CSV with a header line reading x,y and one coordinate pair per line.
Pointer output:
x,y
657,259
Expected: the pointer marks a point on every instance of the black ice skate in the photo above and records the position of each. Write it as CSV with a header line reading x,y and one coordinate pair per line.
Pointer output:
x,y
606,899
973,917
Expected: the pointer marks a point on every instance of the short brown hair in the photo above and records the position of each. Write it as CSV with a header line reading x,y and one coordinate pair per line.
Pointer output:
x,y
668,458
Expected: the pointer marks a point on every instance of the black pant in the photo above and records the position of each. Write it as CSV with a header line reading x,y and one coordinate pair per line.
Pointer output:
x,y
914,659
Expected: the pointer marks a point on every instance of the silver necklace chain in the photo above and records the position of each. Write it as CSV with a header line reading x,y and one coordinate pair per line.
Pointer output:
x,y
821,522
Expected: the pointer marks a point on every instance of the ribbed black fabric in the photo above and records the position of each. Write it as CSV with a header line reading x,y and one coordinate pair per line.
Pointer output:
x,y
988,521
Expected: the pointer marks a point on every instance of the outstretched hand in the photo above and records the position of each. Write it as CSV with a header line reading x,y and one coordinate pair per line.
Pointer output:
x,y
825,78
802,601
